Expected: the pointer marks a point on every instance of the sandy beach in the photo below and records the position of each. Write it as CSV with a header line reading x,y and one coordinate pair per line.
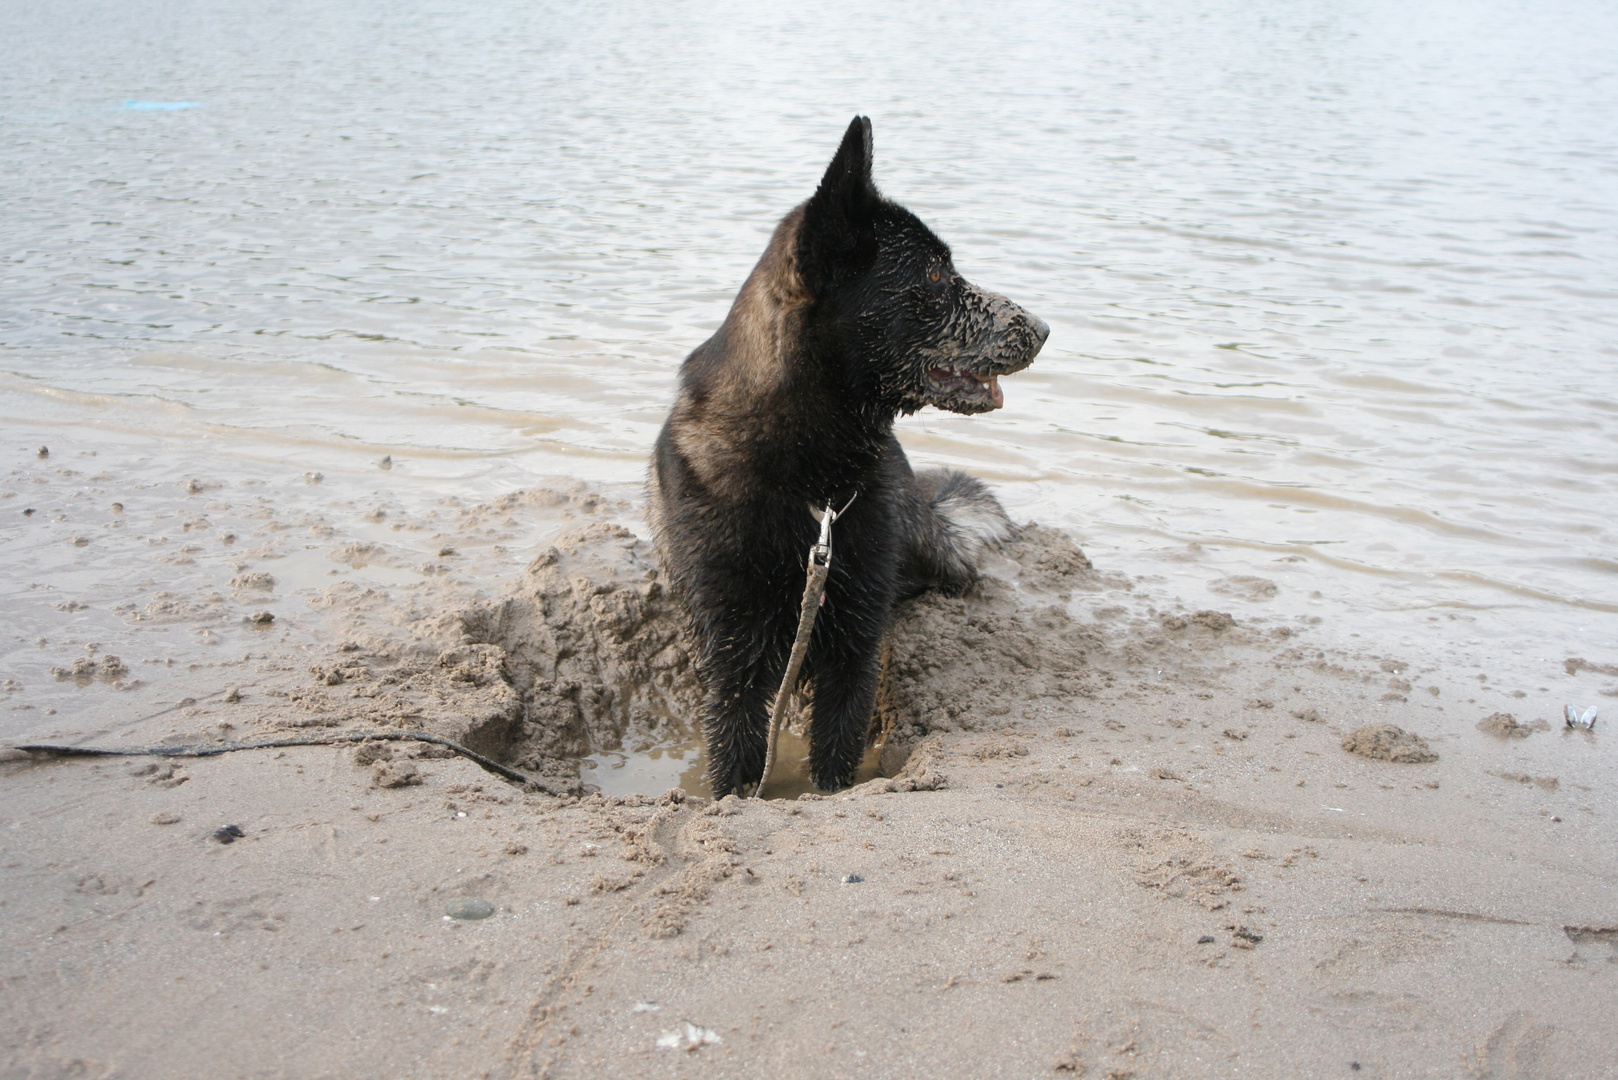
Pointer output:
x,y
1110,834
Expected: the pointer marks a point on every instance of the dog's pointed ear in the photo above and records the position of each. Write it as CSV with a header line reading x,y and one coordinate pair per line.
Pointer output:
x,y
836,237
848,178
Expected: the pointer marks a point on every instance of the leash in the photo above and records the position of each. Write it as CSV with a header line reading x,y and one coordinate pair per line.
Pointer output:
x,y
215,749
814,592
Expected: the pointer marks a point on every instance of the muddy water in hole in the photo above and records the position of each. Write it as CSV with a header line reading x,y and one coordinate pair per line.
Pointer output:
x,y
1331,291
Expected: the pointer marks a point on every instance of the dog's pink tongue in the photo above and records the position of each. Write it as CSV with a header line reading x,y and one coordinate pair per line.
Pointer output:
x,y
993,384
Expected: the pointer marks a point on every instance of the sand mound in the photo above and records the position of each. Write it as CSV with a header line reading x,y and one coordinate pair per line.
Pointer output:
x,y
962,663
1245,587
590,645
1389,743
1506,726
587,655
591,642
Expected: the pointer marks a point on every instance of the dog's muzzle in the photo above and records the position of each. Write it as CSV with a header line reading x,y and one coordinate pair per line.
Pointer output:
x,y
1003,339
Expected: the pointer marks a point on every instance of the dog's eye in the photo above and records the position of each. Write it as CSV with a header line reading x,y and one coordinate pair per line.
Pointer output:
x,y
935,275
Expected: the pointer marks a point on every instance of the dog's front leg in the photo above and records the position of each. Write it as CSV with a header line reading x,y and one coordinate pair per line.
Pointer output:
x,y
846,670
739,665
735,719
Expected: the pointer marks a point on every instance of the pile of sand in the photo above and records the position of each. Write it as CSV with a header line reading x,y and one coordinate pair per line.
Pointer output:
x,y
586,655
591,641
1507,726
1387,742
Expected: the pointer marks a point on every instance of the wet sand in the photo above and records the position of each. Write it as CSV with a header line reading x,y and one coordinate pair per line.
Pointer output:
x,y
1115,833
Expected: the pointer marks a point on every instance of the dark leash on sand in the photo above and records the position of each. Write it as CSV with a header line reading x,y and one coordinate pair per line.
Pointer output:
x,y
814,592
215,749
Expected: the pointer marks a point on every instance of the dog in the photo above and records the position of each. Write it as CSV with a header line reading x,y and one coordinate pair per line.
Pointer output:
x,y
854,315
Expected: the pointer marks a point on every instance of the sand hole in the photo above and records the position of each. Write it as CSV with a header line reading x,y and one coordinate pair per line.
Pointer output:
x,y
680,763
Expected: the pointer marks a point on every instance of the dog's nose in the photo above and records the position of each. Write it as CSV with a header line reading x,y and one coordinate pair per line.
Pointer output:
x,y
1041,328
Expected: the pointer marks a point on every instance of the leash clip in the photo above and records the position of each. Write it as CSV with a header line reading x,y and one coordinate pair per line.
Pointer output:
x,y
820,554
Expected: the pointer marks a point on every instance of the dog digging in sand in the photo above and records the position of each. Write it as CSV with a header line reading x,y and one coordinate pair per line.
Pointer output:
x,y
854,315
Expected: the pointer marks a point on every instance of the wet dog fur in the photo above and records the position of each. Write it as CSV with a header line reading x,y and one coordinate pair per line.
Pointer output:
x,y
853,315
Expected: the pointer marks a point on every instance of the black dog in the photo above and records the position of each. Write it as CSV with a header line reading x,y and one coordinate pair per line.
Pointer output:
x,y
854,315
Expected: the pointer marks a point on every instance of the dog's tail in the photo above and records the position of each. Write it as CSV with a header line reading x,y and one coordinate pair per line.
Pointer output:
x,y
955,521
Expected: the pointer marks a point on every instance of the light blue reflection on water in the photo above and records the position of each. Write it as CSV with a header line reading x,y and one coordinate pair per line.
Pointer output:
x,y
162,106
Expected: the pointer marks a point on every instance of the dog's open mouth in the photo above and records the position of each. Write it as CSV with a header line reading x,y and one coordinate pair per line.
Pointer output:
x,y
982,391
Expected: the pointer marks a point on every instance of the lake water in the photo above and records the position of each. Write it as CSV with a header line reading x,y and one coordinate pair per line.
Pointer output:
x,y
1333,287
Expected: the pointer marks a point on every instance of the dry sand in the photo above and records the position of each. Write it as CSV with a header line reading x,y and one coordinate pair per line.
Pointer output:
x,y
1109,834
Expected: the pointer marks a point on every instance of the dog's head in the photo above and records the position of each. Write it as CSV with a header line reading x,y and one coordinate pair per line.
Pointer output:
x,y
884,290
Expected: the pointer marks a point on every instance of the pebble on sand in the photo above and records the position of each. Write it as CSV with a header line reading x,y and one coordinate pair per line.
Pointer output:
x,y
688,1037
469,907
395,774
